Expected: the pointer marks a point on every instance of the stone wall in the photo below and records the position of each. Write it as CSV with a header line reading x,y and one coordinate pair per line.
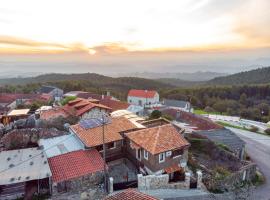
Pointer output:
x,y
78,184
151,182
245,174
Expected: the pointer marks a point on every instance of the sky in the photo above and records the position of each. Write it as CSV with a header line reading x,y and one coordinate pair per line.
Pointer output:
x,y
122,36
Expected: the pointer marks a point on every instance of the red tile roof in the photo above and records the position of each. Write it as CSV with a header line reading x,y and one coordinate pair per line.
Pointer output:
x,y
115,105
9,98
93,137
130,194
75,164
54,113
158,139
80,106
200,122
142,93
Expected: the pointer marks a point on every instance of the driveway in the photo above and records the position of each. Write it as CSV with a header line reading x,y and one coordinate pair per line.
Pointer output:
x,y
258,148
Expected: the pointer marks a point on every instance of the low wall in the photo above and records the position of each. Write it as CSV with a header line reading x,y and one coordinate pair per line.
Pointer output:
x,y
245,174
152,182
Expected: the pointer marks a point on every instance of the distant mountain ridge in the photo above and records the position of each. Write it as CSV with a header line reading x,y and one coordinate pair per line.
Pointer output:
x,y
195,76
255,76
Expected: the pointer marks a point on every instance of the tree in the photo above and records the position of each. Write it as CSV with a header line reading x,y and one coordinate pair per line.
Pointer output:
x,y
243,99
155,114
220,106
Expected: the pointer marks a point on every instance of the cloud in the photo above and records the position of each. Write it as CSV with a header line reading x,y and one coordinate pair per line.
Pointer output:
x,y
252,22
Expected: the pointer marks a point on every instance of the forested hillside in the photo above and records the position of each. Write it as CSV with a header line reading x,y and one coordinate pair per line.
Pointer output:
x,y
256,76
87,82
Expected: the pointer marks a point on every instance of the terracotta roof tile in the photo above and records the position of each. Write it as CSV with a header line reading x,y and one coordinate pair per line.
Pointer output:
x,y
75,164
130,194
142,93
93,137
114,105
158,139
54,113
81,106
200,122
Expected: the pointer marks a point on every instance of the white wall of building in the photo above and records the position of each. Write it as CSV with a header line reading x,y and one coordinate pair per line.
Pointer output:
x,y
141,101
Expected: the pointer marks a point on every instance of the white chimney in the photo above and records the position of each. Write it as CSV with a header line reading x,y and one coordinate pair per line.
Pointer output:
x,y
102,96
178,113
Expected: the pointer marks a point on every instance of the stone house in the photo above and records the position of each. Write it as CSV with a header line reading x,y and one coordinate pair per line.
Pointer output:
x,y
84,108
90,132
158,150
142,97
77,170
177,104
55,92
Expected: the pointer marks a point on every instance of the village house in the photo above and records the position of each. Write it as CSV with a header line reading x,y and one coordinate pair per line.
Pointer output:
x,y
84,108
90,132
23,173
76,171
14,115
55,92
177,104
142,97
11,101
158,150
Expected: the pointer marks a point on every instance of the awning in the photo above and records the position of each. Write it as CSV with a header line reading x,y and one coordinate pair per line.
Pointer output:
x,y
172,169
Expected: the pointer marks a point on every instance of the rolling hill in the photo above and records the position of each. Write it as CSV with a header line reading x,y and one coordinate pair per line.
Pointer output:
x,y
256,76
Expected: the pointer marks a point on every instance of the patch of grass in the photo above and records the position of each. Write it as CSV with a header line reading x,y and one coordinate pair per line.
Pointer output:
x,y
258,179
202,112
224,147
232,126
221,173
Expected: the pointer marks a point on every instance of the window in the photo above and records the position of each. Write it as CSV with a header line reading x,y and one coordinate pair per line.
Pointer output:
x,y
145,154
168,153
111,145
161,157
138,154
99,148
177,153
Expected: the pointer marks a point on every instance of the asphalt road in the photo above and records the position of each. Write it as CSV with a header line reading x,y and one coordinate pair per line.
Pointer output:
x,y
258,148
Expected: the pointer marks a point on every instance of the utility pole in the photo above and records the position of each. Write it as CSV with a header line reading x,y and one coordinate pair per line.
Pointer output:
x,y
104,154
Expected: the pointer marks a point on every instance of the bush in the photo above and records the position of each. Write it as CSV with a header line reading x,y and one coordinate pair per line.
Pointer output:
x,y
155,114
67,99
253,129
221,173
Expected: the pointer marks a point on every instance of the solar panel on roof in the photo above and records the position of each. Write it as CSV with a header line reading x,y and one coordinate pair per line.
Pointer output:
x,y
92,123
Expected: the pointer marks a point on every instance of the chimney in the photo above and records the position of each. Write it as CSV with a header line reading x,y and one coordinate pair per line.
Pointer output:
x,y
108,93
102,96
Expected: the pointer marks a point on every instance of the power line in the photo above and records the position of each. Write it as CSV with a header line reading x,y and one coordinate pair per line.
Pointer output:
x,y
44,151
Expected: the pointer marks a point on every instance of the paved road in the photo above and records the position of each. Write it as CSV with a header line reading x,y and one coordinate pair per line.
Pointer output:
x,y
258,147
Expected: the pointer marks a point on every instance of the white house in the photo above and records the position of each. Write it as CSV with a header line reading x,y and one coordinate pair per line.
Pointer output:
x,y
143,97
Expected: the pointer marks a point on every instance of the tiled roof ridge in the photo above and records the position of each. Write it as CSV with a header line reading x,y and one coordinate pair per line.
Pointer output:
x,y
157,138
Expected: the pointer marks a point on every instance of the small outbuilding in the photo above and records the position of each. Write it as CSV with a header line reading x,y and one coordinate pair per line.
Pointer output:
x,y
24,172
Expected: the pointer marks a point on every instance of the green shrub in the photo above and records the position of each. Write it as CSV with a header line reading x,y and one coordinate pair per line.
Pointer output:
x,y
221,173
